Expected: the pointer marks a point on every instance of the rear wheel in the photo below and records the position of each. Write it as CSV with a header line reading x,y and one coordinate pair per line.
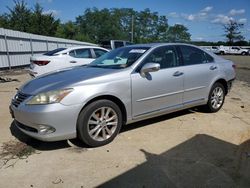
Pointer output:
x,y
243,53
99,123
216,98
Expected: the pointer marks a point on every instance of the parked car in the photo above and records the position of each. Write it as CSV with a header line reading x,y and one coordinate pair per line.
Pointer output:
x,y
126,85
233,50
63,58
113,44
214,49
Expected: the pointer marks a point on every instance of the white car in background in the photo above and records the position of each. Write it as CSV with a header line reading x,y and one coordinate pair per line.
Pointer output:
x,y
63,58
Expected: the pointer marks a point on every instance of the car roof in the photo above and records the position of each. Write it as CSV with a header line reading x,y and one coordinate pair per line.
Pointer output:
x,y
151,45
78,47
67,49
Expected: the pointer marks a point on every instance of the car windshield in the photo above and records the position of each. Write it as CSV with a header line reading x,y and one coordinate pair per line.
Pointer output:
x,y
53,52
119,58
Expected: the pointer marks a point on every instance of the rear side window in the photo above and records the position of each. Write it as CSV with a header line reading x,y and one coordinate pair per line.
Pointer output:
x,y
166,56
209,58
99,52
192,55
80,53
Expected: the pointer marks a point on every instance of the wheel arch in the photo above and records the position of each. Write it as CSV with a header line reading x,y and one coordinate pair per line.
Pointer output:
x,y
112,98
223,82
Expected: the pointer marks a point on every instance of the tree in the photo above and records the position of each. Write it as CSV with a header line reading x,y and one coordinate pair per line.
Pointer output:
x,y
22,18
43,24
178,33
4,22
19,16
232,31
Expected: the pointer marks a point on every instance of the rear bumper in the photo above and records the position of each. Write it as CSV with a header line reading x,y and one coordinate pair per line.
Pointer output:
x,y
33,74
230,84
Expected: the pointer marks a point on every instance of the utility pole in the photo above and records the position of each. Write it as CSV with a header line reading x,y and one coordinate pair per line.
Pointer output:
x,y
132,29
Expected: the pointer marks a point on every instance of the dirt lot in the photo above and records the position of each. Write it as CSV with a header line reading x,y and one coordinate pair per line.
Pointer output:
x,y
185,149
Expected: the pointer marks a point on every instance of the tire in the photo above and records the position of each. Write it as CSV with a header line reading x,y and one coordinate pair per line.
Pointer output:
x,y
99,123
243,53
222,53
215,101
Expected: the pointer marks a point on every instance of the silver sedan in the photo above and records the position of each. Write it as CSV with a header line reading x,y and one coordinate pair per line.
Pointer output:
x,y
126,85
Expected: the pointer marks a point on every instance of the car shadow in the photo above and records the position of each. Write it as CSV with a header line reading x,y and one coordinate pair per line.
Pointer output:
x,y
202,161
154,120
43,146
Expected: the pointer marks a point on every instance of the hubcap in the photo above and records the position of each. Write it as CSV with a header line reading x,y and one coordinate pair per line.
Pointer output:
x,y
217,97
102,123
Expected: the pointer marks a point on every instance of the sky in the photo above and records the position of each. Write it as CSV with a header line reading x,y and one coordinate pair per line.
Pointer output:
x,y
203,18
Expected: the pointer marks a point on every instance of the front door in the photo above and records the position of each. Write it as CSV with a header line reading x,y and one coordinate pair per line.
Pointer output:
x,y
159,90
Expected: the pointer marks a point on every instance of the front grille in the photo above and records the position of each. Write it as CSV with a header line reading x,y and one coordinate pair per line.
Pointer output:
x,y
19,98
25,127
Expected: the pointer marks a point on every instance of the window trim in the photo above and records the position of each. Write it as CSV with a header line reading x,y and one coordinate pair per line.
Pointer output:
x,y
204,54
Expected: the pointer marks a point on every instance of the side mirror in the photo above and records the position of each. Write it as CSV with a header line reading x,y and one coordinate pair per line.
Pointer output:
x,y
150,67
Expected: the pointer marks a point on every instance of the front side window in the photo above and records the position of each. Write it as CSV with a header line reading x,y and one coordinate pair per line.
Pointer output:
x,y
192,55
166,56
80,53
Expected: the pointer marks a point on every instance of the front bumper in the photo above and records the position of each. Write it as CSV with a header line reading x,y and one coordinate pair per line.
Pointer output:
x,y
59,118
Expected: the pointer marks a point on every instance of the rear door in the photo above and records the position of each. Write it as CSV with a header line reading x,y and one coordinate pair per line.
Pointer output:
x,y
161,90
199,72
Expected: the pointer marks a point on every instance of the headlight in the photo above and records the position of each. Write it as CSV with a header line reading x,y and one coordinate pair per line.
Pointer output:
x,y
49,97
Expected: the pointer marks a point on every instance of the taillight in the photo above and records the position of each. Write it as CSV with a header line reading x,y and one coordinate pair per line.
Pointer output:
x,y
41,63
234,66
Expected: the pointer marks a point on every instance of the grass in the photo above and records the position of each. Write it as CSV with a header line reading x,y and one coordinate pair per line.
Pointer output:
x,y
15,150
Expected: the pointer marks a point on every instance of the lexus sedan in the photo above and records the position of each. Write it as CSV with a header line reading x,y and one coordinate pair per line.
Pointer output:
x,y
62,58
125,85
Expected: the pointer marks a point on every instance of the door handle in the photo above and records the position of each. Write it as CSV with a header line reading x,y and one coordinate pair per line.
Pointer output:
x,y
73,61
213,67
178,73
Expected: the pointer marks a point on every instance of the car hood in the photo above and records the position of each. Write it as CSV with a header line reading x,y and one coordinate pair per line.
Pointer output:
x,y
64,78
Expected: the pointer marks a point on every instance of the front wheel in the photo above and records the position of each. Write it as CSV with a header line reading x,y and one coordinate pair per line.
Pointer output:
x,y
99,123
216,98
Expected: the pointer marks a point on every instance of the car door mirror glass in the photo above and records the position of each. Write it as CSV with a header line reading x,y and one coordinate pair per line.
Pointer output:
x,y
150,67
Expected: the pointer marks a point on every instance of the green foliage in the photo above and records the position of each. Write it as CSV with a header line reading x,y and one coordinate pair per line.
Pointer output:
x,y
178,33
109,24
21,18
95,25
4,21
232,32
43,24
